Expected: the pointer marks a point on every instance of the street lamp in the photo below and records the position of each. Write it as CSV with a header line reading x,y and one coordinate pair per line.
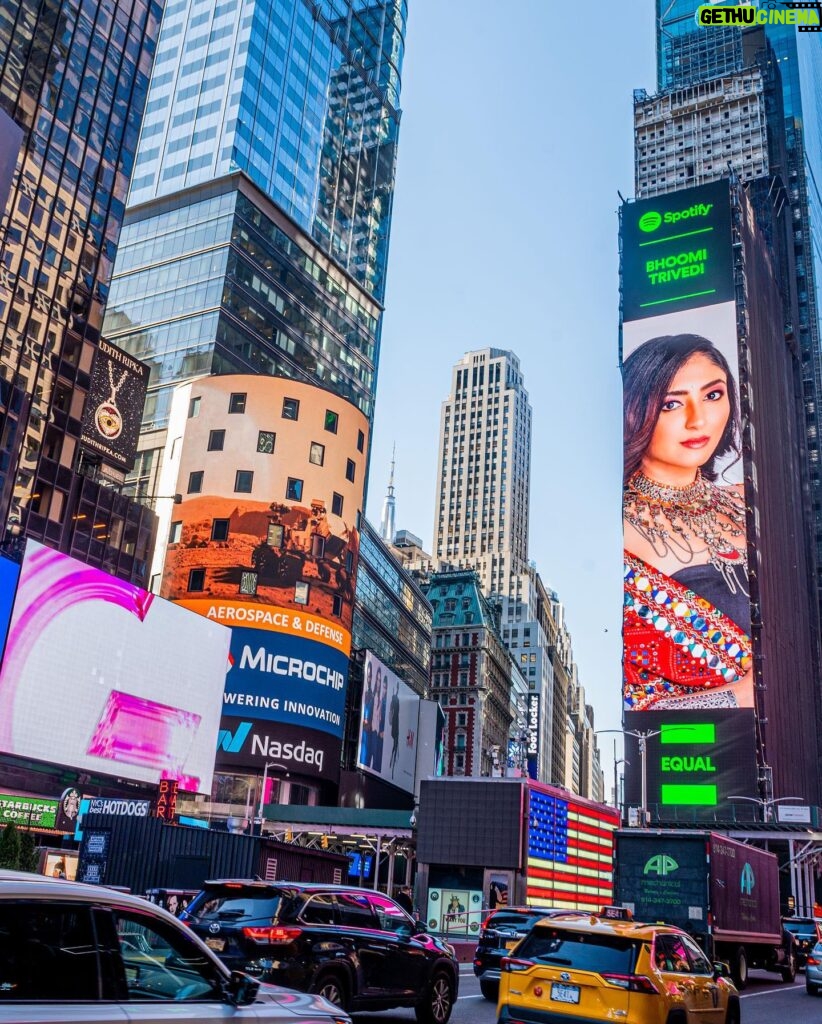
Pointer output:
x,y
268,764
766,803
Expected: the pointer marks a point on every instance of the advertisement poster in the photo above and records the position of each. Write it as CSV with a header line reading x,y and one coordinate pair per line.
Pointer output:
x,y
454,911
389,725
140,696
114,406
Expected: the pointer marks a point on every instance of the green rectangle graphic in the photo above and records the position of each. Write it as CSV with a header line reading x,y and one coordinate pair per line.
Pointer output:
x,y
702,796
703,733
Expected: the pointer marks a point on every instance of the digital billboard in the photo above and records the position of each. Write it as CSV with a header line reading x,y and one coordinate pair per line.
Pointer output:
x,y
264,539
389,723
114,405
102,676
687,611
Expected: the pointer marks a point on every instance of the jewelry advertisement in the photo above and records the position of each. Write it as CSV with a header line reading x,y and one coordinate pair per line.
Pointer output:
x,y
114,407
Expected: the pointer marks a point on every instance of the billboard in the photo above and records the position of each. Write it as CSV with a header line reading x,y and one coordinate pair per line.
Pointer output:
x,y
139,696
687,612
114,405
389,723
264,539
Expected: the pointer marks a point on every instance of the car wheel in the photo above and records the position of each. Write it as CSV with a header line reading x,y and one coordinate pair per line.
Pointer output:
x,y
332,988
789,973
739,968
812,990
490,990
439,1001
732,1016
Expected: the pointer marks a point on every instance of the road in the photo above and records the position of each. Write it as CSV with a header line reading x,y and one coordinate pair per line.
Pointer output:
x,y
764,1001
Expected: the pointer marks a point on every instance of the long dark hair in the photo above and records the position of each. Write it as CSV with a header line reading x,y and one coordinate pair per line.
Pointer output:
x,y
647,374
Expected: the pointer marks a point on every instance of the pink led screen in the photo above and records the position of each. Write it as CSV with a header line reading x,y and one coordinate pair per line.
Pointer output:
x,y
103,676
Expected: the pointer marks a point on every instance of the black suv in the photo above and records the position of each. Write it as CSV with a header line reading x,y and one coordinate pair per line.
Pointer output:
x,y
354,946
501,931
806,934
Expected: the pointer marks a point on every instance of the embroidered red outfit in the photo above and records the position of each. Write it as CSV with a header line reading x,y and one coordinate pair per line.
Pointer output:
x,y
675,643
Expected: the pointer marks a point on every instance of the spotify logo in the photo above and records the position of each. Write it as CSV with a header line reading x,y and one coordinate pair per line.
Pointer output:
x,y
650,221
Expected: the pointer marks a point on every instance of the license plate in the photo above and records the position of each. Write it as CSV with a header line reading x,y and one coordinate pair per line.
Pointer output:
x,y
218,945
564,993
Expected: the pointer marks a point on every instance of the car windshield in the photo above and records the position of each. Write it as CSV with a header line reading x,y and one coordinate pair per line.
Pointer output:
x,y
234,904
581,950
511,921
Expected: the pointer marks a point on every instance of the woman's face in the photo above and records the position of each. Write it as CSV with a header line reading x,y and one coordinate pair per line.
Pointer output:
x,y
691,422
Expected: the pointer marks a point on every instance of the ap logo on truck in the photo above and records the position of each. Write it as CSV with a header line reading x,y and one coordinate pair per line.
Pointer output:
x,y
747,880
661,865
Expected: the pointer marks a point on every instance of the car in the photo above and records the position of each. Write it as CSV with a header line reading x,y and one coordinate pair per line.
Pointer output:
x,y
813,970
75,952
501,931
598,968
806,933
356,947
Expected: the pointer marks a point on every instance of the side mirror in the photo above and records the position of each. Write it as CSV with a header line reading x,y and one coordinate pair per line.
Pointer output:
x,y
420,928
240,989
721,970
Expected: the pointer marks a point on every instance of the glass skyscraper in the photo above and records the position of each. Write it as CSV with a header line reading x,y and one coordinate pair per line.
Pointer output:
x,y
73,79
688,54
257,228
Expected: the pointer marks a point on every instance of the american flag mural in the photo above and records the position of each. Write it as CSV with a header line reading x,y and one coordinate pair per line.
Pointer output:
x,y
570,850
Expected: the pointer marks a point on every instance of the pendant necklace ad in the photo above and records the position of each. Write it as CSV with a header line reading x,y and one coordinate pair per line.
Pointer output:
x,y
107,417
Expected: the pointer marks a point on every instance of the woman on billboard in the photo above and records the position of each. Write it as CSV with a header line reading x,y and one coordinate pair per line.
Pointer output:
x,y
687,613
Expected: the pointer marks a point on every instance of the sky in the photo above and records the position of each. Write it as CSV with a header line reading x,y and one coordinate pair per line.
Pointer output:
x,y
515,142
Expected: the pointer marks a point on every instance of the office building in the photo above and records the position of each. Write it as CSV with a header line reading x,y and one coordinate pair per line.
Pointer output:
x,y
257,228
73,84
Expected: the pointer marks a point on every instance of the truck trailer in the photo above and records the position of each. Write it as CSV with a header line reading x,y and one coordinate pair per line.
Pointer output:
x,y
722,892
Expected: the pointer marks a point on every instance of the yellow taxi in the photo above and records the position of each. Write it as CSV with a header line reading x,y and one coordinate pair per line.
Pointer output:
x,y
608,968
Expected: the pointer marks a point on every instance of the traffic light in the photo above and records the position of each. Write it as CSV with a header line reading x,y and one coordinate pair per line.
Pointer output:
x,y
289,835
324,842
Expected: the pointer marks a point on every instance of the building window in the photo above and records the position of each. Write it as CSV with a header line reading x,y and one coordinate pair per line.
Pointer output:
x,y
331,421
360,441
291,408
193,408
266,439
301,593
248,582
316,454
175,532
336,504
243,481
196,579
294,489
337,606
219,529
350,470
459,762
195,482
216,440
236,402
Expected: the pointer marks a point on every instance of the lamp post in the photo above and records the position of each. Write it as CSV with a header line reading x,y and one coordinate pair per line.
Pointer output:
x,y
268,764
766,803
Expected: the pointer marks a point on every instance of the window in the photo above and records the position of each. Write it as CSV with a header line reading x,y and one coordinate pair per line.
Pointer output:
x,y
389,915
162,963
319,910
248,582
236,402
194,408
350,470
360,441
336,504
266,439
195,482
337,606
291,408
175,532
47,952
331,421
219,529
355,911
671,955
294,489
216,440
196,579
316,454
301,593
243,481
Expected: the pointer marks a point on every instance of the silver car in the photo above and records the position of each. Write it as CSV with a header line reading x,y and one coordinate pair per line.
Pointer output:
x,y
71,952
813,971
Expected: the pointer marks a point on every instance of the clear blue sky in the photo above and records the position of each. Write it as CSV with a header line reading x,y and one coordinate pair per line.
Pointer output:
x,y
516,134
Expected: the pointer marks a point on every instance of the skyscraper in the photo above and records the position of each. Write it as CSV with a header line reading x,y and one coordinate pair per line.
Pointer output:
x,y
73,79
483,478
257,228
389,509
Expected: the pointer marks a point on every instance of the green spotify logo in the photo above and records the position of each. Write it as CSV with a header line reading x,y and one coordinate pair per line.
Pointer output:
x,y
650,221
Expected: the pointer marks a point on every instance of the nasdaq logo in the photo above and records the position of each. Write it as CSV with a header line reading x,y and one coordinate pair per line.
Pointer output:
x,y
661,865
233,744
